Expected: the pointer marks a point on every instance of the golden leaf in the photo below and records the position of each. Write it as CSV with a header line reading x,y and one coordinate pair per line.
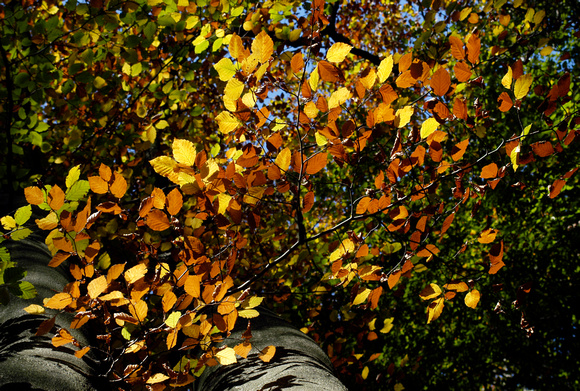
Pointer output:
x,y
97,286
58,301
430,291
522,86
227,122
34,195
506,81
385,68
226,356
135,273
472,298
263,46
429,126
184,152
435,308
403,116
338,52
267,353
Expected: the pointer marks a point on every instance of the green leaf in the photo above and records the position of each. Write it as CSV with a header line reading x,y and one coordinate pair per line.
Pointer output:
x,y
23,214
78,190
28,291
20,234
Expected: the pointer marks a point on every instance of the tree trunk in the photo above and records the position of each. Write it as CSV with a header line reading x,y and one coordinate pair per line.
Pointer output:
x,y
28,362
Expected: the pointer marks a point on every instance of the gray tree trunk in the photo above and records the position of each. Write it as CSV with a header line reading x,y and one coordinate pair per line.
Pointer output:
x,y
28,362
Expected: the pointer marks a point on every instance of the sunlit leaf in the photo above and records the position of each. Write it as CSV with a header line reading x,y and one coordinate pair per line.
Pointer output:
x,y
338,52
435,309
226,356
430,291
267,353
97,286
487,236
472,298
522,86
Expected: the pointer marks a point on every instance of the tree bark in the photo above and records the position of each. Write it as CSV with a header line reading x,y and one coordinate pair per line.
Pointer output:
x,y
29,362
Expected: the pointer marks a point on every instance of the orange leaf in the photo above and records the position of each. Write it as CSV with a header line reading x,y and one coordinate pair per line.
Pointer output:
x,y
58,258
63,244
34,195
97,286
119,186
138,309
62,338
308,202
556,187
157,220
329,72
59,301
405,80
440,81
489,171
505,102
168,301
495,267
462,71
55,198
487,236
192,286
428,251
459,149
297,62
543,148
460,109
174,202
316,163
98,185
267,353
393,279
243,349
105,172
472,298
172,338
473,47
457,48
82,352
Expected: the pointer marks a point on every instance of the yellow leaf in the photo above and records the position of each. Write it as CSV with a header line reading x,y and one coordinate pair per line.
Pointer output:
x,y
365,373
157,378
314,79
515,153
173,319
248,313
472,298
339,97
369,80
234,89
267,353
429,126
506,81
226,356
115,295
403,116
399,387
34,309
311,110
135,347
135,273
99,82
430,291
225,69
263,46
522,86
73,176
184,152
387,326
361,297
338,52
34,195
435,308
385,69
227,122
97,286
192,286
283,159
254,301
164,165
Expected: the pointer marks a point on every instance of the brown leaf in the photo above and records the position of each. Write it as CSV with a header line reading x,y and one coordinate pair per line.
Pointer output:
x,y
329,72
440,81
157,220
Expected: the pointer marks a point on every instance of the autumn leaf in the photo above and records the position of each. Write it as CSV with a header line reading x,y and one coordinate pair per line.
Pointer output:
x,y
226,356
263,46
316,163
457,50
430,291
472,298
489,171
522,86
62,338
184,152
157,220
435,309
440,81
58,301
505,102
97,286
487,236
227,122
428,127
338,52
267,353
34,195
403,116
506,81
